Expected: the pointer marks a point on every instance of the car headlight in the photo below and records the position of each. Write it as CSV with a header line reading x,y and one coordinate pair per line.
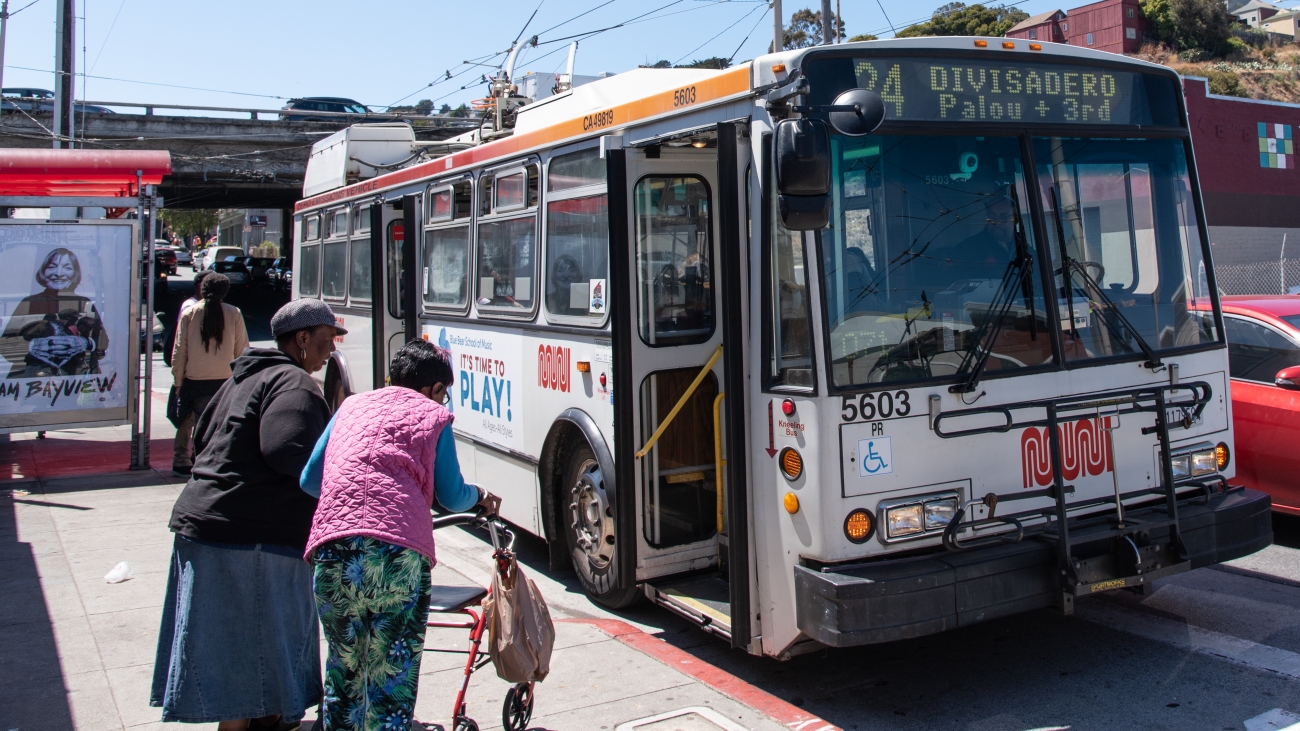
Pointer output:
x,y
1204,462
939,513
904,520
1182,466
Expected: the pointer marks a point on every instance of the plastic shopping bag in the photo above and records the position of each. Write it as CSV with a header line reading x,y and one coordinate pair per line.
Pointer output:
x,y
520,633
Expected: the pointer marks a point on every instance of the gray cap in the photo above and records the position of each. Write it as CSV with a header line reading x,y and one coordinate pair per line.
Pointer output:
x,y
303,313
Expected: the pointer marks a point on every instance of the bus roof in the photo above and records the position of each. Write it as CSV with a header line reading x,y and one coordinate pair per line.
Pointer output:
x,y
642,95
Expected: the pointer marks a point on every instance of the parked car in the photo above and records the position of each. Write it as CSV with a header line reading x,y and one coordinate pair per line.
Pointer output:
x,y
164,261
42,100
236,272
183,256
159,333
217,253
257,267
275,273
1263,333
305,105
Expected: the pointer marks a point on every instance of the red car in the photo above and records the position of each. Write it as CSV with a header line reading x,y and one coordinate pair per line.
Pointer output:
x,y
1263,333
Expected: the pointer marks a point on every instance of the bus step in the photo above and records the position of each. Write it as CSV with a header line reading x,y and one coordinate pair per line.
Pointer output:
x,y
702,600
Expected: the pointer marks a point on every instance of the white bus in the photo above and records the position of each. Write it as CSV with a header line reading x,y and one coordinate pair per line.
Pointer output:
x,y
839,346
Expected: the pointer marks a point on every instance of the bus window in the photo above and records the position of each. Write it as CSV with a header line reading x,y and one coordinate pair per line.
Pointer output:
x,y
577,250
575,170
681,487
334,269
462,200
361,219
485,195
446,267
506,263
311,228
393,271
512,191
359,279
1125,208
791,357
309,271
338,223
673,254
440,205
928,235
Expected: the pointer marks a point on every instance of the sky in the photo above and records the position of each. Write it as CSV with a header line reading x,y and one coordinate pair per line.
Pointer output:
x,y
245,54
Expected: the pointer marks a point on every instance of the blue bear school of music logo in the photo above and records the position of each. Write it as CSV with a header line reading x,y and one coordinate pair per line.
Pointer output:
x,y
1275,146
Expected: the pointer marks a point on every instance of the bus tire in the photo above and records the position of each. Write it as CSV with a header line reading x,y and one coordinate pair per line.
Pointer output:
x,y
587,518
334,389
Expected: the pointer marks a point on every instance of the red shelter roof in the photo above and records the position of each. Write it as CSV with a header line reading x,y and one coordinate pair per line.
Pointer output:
x,y
37,172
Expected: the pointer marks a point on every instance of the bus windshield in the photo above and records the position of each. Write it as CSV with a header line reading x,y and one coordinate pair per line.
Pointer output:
x,y
930,256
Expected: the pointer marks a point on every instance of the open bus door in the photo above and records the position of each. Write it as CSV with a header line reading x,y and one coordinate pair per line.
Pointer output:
x,y
678,337
391,254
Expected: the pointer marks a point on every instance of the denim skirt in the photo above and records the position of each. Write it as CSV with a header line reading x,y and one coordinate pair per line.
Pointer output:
x,y
239,635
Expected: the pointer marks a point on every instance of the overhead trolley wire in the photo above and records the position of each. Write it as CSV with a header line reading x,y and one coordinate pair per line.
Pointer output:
x,y
719,33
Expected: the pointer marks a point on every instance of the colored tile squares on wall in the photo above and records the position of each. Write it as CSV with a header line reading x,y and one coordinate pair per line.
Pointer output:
x,y
1275,149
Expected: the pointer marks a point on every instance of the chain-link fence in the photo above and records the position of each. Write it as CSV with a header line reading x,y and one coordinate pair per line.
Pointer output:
x,y
1264,277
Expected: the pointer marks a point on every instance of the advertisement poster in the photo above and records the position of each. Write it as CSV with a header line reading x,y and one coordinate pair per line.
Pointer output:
x,y
65,315
487,397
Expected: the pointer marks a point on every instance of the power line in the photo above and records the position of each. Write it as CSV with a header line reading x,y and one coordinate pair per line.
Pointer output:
x,y
19,10
747,35
106,37
155,83
719,33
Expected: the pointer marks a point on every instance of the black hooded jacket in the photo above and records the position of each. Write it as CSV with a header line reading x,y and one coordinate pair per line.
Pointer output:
x,y
252,442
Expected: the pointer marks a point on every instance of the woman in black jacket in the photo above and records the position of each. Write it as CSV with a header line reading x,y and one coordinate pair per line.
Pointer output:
x,y
239,642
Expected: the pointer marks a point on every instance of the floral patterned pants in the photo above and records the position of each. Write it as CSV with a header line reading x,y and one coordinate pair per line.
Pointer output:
x,y
373,602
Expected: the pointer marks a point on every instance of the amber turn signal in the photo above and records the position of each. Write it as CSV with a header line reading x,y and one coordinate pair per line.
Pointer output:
x,y
778,68
858,526
1008,44
584,366
981,44
791,502
1222,456
791,463
1035,46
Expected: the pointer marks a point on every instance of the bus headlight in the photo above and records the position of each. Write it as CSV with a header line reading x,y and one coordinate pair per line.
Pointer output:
x,y
904,520
938,513
1182,466
1204,462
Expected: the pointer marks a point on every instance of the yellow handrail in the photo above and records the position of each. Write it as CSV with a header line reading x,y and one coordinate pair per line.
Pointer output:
x,y
718,461
680,403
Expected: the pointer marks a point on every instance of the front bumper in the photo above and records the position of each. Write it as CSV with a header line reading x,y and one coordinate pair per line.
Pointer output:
x,y
894,600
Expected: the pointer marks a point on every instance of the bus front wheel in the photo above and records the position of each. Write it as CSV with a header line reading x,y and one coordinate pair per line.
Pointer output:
x,y
589,518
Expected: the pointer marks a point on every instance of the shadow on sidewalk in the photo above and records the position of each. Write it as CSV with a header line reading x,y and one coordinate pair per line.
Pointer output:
x,y
32,692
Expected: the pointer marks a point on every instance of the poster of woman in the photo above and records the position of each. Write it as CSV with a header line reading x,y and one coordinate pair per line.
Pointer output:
x,y
65,301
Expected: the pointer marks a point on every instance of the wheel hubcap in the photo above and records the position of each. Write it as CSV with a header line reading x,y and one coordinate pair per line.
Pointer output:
x,y
590,516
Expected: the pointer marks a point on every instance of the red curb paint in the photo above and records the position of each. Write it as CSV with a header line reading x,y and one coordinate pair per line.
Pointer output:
x,y
720,680
55,456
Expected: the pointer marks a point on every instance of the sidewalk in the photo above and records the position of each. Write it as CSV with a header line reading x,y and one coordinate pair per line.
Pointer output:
x,y
77,653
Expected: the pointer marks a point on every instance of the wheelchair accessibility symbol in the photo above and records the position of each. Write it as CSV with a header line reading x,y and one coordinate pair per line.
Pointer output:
x,y
875,457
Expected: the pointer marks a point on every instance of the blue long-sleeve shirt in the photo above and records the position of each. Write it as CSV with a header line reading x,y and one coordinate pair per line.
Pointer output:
x,y
449,486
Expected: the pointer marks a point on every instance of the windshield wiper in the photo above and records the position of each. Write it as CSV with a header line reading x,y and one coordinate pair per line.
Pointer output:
x,y
1022,268
1071,266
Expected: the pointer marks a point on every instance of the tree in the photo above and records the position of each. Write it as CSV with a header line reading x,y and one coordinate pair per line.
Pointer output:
x,y
805,29
1159,20
863,37
960,19
713,62
660,64
189,223
1203,24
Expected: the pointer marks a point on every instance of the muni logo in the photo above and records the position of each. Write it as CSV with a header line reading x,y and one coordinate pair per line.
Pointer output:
x,y
1085,451
553,367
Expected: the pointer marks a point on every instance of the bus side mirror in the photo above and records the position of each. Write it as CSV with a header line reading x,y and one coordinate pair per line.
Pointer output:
x,y
803,173
857,112
1288,378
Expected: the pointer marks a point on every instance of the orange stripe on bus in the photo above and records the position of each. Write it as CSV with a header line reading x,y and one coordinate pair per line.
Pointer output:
x,y
730,83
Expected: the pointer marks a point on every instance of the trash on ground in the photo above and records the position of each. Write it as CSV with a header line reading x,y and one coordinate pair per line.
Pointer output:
x,y
121,572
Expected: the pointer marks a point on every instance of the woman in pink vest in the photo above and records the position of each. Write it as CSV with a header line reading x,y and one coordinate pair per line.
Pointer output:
x,y
377,468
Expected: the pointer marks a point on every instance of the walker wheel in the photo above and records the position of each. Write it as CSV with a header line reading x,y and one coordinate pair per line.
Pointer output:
x,y
518,708
465,724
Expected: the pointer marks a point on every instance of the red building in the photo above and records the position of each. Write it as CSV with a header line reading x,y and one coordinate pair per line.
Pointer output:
x,y
1109,25
1248,173
1041,27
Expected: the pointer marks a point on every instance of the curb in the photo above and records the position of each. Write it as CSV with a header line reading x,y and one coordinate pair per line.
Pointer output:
x,y
791,716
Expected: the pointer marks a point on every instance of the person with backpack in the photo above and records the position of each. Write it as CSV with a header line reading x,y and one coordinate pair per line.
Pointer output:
x,y
382,461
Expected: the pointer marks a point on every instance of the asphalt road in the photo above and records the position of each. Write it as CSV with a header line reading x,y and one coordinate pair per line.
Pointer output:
x,y
1209,649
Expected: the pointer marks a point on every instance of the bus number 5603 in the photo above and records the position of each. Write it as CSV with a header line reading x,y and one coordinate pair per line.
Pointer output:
x,y
881,405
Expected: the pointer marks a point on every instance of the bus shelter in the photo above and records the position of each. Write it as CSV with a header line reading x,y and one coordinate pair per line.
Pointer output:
x,y
74,315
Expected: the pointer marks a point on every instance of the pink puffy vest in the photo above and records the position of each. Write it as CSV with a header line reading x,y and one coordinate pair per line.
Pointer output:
x,y
378,476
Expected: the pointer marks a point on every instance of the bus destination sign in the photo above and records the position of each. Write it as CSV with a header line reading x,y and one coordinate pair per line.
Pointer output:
x,y
964,90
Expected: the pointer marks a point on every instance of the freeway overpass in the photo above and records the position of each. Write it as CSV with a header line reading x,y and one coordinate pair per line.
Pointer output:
x,y
217,162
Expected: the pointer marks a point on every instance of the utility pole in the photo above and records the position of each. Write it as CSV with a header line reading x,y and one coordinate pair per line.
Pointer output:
x,y
4,22
778,33
828,34
64,58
